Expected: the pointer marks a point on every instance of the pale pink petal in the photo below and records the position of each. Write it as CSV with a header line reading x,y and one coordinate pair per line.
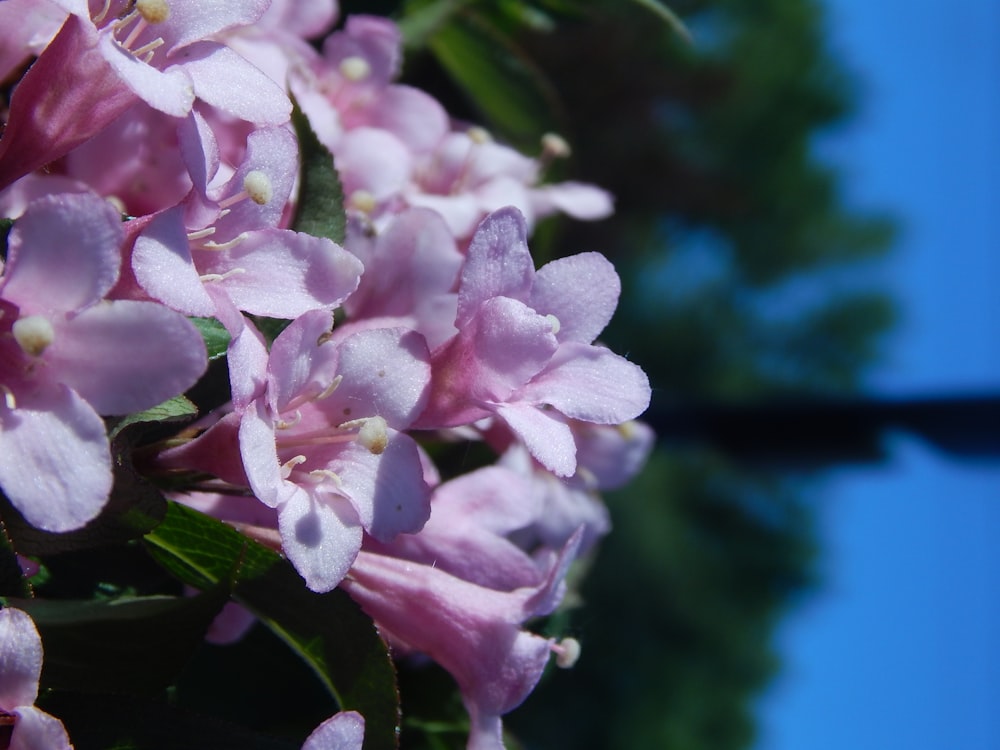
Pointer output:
x,y
260,455
36,730
549,440
387,489
386,373
461,212
20,659
162,264
246,354
282,274
376,40
343,731
228,81
56,467
304,19
191,20
321,536
126,355
581,291
300,364
373,160
170,91
498,263
46,272
590,383
412,115
576,199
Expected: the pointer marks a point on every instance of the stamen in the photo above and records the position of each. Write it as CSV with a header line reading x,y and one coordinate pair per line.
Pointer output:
x,y
257,186
373,434
210,277
153,11
33,334
321,475
200,234
286,468
355,68
8,397
226,245
479,135
330,388
554,322
567,652
284,424
130,39
554,146
104,12
146,51
363,201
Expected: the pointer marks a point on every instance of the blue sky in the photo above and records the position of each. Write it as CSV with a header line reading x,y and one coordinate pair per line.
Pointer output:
x,y
901,645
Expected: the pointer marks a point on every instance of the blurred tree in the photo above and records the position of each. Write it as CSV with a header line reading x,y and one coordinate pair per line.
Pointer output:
x,y
746,277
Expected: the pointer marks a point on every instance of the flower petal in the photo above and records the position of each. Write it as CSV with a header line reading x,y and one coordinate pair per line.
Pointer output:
x,y
581,291
56,467
20,659
342,731
549,440
36,730
321,537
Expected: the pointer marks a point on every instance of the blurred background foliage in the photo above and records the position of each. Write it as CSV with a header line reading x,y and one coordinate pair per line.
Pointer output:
x,y
747,279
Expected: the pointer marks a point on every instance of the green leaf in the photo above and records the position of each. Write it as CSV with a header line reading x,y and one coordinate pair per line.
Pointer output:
x,y
320,211
328,631
177,409
498,77
215,335
671,18
12,579
132,645
423,19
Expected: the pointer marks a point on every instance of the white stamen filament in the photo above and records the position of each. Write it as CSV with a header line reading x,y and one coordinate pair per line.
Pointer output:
x,y
145,52
372,433
8,397
200,234
225,245
210,277
318,476
33,334
104,12
567,652
286,468
355,68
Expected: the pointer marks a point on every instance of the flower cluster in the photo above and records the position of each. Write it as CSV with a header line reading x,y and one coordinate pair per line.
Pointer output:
x,y
169,185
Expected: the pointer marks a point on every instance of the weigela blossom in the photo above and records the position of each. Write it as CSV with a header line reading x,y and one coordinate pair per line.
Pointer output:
x,y
342,731
20,668
69,355
523,351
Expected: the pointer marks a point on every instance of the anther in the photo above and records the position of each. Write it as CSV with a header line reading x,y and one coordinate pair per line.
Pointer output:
x,y
479,135
567,652
355,68
200,234
284,424
33,334
153,11
104,12
317,476
362,201
554,146
257,186
373,434
210,277
330,388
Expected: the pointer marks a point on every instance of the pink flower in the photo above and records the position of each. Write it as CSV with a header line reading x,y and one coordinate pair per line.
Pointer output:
x,y
68,355
20,668
523,351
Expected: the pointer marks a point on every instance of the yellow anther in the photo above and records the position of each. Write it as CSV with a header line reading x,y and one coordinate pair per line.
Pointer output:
x,y
153,11
33,334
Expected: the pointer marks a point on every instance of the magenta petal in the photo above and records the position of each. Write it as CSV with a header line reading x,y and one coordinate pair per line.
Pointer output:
x,y
20,659
546,438
321,536
342,731
56,467
498,263
282,273
36,730
581,291
44,272
125,356
230,82
592,384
